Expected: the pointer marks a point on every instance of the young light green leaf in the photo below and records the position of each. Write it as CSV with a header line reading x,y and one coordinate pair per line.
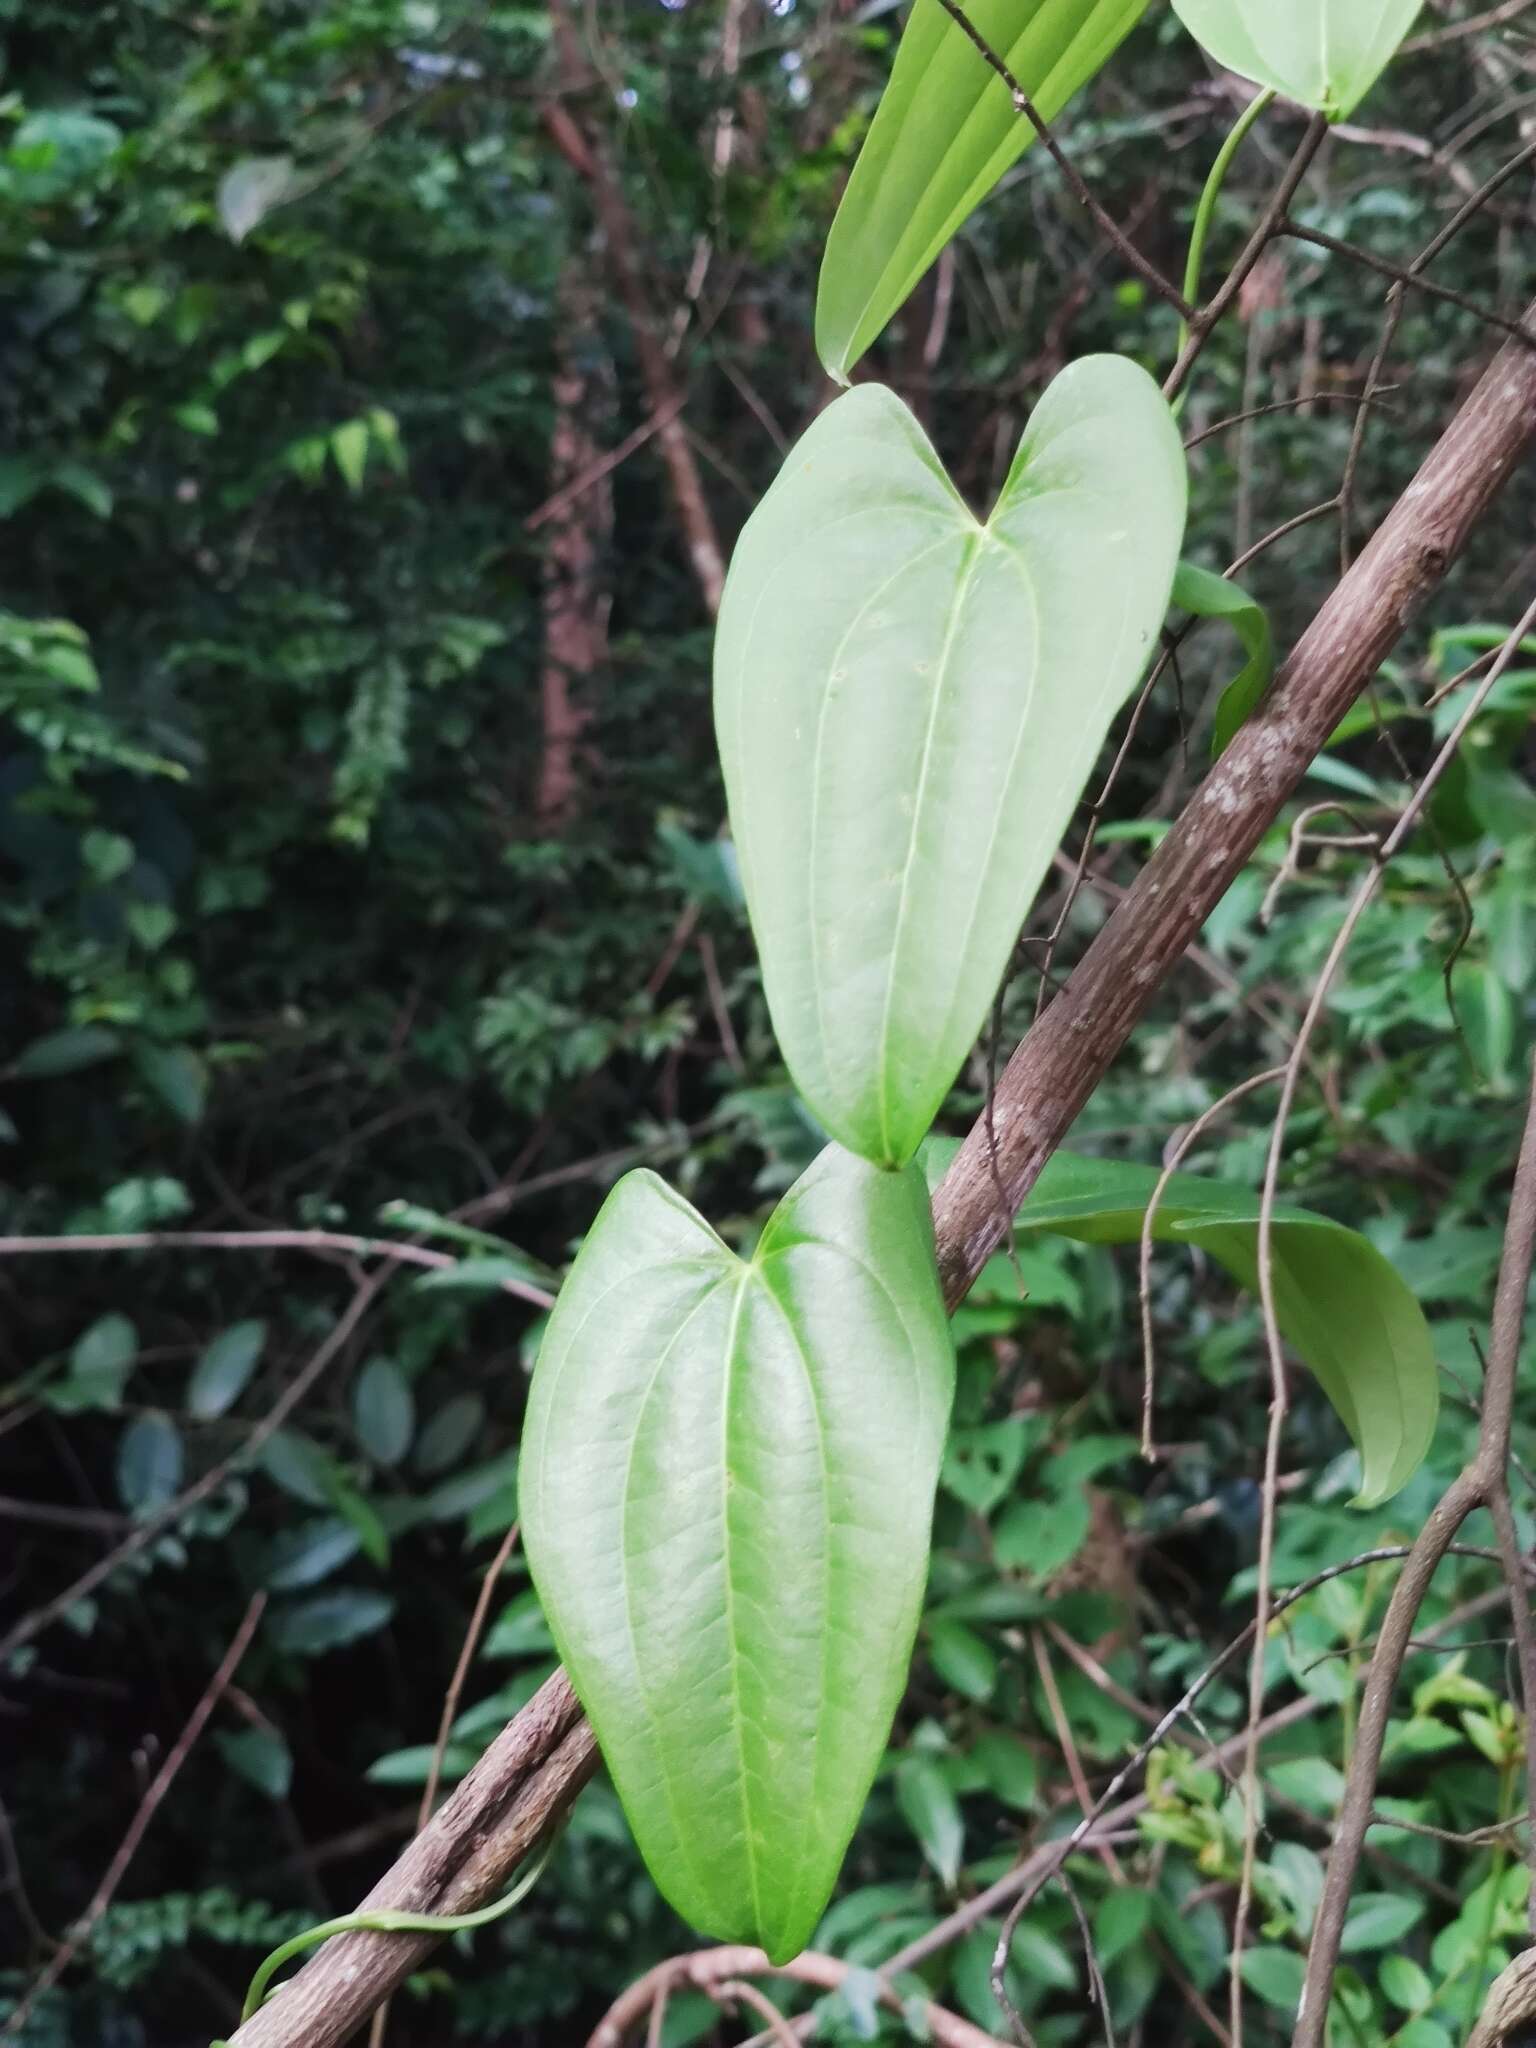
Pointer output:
x,y
1339,1301
946,130
908,704
932,1812
1208,596
963,1659
727,1484
223,1372
251,189
1324,54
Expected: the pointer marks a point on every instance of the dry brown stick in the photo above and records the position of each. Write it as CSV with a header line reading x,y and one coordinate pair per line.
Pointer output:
x,y
319,1242
1052,1074
711,1969
1495,17
154,1525
1481,1481
149,1806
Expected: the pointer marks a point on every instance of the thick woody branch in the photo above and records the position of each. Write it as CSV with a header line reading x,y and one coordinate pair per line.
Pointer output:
x,y
1069,1051
534,1768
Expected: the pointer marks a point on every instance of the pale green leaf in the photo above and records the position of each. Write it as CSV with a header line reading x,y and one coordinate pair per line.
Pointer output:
x,y
349,445
727,1485
1276,1975
946,130
1209,596
224,1371
449,1433
1324,54
384,1411
149,1463
932,1812
250,191
963,1659
66,1052
1339,1301
305,1555
1378,1919
908,704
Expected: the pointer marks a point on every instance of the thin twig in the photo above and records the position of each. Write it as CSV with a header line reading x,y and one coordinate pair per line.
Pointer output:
x,y
446,1719
1481,1481
321,1242
1180,1153
1022,104
149,1806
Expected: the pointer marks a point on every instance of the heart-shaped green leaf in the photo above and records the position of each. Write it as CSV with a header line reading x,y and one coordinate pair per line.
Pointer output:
x,y
944,133
1325,54
1339,1301
908,704
727,1484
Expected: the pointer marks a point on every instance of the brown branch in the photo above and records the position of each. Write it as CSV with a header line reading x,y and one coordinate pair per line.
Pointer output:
x,y
1483,1481
1066,1055
1494,18
1052,1074
149,1806
523,1783
711,1970
320,1242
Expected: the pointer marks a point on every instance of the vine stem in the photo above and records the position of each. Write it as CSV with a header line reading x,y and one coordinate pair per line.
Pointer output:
x,y
1205,212
386,1922
1483,1483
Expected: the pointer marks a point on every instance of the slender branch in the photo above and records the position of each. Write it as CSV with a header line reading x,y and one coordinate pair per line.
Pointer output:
x,y
445,1720
1204,325
711,1970
1484,1479
148,1807
1495,17
321,1242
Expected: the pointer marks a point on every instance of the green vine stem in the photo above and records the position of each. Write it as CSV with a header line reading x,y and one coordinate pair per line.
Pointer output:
x,y
1205,212
390,1923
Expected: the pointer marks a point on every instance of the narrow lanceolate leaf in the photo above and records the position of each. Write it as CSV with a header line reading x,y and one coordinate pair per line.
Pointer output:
x,y
944,133
727,1483
1340,1303
1325,54
908,704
